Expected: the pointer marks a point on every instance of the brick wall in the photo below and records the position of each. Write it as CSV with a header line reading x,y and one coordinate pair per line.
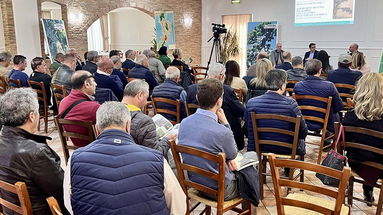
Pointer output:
x,y
9,26
188,39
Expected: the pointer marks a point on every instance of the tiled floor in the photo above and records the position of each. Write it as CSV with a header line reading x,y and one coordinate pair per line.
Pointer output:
x,y
267,205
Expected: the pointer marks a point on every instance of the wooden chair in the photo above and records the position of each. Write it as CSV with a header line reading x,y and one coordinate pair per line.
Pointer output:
x,y
14,82
290,86
132,79
359,146
59,93
350,103
323,121
192,189
175,103
300,203
199,73
262,157
3,84
239,93
190,108
39,88
19,189
54,206
65,135
345,96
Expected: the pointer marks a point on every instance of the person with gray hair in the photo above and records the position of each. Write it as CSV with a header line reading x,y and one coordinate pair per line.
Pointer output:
x,y
141,71
275,102
233,108
276,55
170,89
117,70
155,66
141,175
105,79
64,73
5,62
129,63
297,73
91,63
143,129
25,156
286,65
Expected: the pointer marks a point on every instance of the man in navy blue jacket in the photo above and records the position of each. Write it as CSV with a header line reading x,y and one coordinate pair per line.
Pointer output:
x,y
19,65
274,102
141,71
315,86
286,65
104,79
129,63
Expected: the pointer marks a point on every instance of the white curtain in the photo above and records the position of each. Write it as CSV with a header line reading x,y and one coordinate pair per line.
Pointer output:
x,y
238,24
104,23
95,39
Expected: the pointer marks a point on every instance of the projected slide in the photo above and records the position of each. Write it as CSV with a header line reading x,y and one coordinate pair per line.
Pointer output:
x,y
324,12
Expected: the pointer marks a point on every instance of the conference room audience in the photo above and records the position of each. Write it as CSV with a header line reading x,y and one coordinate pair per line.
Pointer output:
x,y
250,74
79,62
56,63
141,177
286,65
315,86
276,55
64,73
79,105
325,59
232,78
117,70
274,102
19,65
142,128
5,62
258,84
367,113
129,63
91,63
141,71
311,54
105,79
115,53
177,61
25,156
155,66
359,63
233,108
297,73
163,56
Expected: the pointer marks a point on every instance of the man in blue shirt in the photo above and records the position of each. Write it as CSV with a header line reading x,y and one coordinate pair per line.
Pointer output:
x,y
20,63
214,136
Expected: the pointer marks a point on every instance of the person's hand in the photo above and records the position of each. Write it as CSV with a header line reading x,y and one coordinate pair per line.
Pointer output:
x,y
232,165
171,137
221,116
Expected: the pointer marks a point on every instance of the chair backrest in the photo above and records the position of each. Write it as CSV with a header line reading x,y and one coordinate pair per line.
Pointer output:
x,y
39,88
190,108
295,121
290,86
183,167
132,79
175,103
14,83
345,96
20,189
64,135
350,103
278,183
350,130
3,84
59,92
199,73
239,93
54,206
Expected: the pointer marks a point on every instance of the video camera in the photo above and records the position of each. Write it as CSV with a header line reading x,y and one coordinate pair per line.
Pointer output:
x,y
219,29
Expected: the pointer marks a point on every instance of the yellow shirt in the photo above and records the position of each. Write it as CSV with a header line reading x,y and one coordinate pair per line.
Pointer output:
x,y
133,107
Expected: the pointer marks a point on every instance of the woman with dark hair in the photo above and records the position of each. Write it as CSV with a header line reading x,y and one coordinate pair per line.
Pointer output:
x,y
325,59
232,76
163,56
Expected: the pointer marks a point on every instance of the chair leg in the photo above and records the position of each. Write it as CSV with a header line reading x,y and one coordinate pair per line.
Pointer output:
x,y
46,123
350,191
380,201
302,177
250,207
260,170
264,163
320,150
208,210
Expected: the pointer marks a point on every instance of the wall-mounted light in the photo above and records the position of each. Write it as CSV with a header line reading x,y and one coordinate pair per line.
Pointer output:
x,y
76,17
187,20
235,1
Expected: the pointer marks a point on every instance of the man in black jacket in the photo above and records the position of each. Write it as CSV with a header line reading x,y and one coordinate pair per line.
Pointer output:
x,y
312,54
26,157
232,107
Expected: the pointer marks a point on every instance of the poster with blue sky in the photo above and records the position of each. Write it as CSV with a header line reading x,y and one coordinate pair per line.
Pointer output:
x,y
55,36
165,34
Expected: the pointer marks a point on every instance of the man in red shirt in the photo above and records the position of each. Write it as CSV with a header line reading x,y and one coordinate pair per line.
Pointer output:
x,y
83,87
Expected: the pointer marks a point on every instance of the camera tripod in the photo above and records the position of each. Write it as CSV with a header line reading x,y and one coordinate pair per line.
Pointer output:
x,y
216,48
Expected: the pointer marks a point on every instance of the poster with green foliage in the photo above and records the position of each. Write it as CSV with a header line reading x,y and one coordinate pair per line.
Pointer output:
x,y
381,64
55,36
262,37
165,33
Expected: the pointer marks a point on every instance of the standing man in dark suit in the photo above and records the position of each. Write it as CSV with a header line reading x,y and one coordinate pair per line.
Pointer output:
x,y
312,54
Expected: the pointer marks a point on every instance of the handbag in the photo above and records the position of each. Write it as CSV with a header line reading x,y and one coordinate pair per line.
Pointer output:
x,y
333,160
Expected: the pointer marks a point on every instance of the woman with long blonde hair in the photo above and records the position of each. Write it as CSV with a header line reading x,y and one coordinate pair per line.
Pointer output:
x,y
368,112
258,85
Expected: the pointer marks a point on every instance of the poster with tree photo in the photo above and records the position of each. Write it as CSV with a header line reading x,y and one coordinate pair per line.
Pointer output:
x,y
55,36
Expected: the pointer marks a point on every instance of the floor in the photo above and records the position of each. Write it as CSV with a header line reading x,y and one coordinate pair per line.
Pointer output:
x,y
267,205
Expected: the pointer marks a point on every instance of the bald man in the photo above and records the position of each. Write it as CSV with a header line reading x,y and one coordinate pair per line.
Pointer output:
x,y
83,87
353,49
104,79
141,71
276,55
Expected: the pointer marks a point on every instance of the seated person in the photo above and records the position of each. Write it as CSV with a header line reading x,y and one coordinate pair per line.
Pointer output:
x,y
64,73
286,65
84,87
129,63
274,102
233,108
187,75
250,74
117,71
367,113
297,73
155,66
25,156
56,63
91,63
258,84
170,89
315,86
130,179
5,62
19,65
143,129
214,136
163,56
344,75
141,71
232,77
104,79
